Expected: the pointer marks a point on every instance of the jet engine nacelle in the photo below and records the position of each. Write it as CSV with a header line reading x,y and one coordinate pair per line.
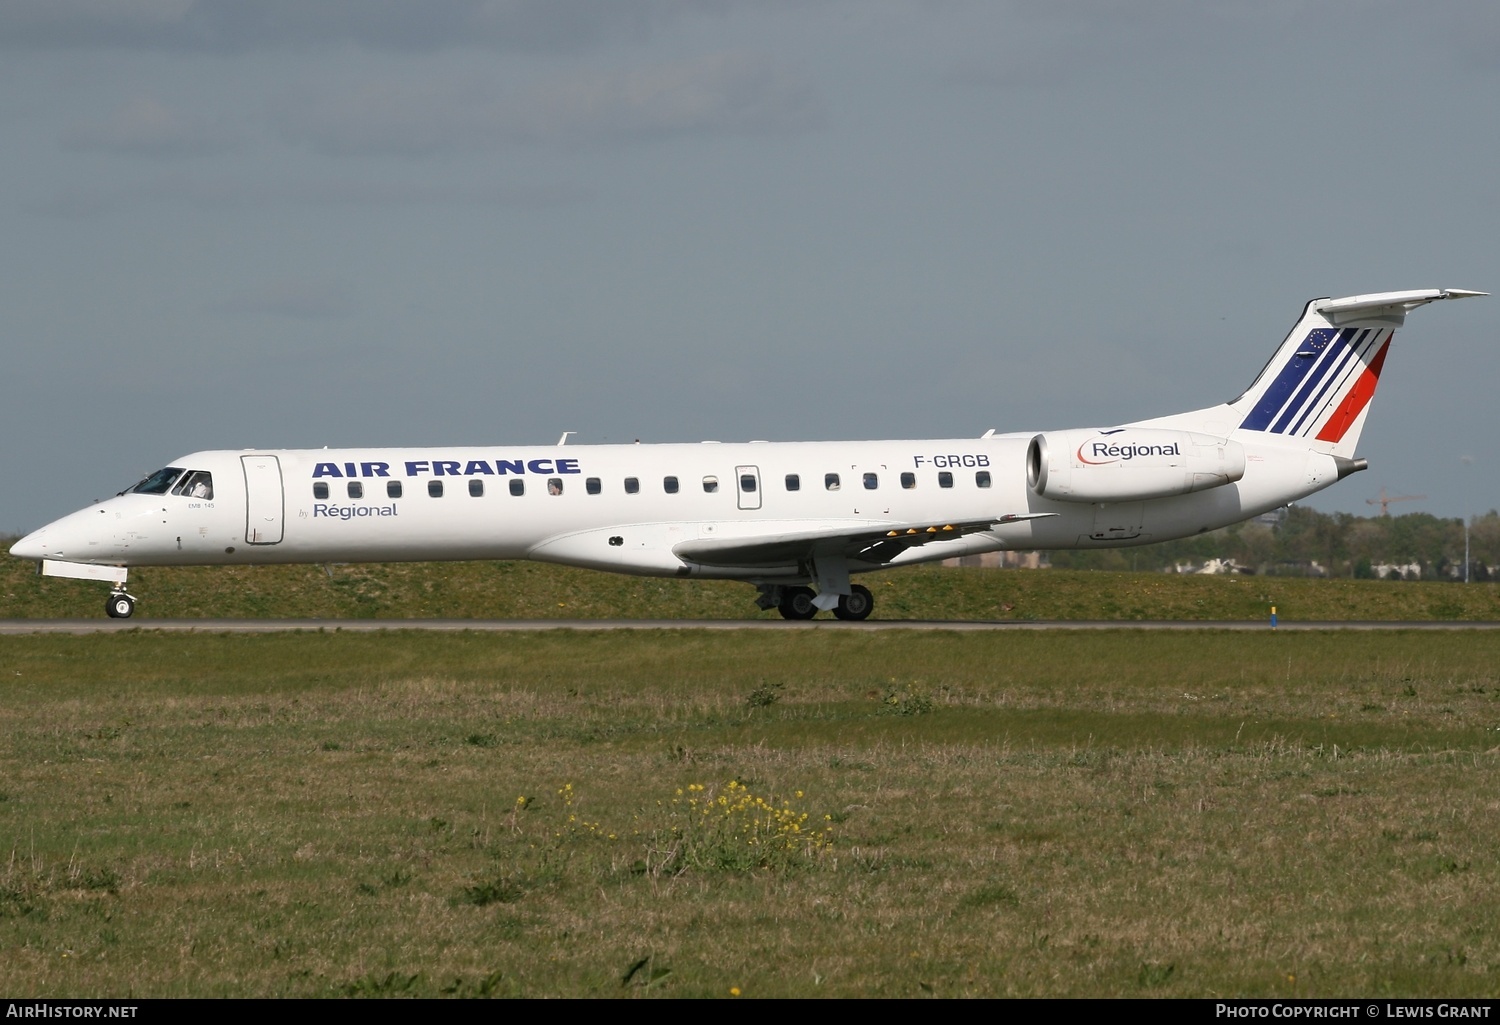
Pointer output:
x,y
1129,464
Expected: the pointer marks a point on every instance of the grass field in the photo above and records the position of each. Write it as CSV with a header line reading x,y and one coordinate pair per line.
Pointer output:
x,y
1056,814
519,590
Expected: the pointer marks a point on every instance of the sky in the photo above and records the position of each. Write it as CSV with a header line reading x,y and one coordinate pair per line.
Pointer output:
x,y
290,224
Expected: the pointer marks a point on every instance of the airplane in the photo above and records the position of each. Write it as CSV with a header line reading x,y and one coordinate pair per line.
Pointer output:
x,y
798,520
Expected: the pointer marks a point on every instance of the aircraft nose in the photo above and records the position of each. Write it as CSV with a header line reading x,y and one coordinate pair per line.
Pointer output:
x,y
82,536
32,546
54,541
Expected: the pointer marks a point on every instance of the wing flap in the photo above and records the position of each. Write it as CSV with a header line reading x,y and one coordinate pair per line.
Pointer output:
x,y
865,544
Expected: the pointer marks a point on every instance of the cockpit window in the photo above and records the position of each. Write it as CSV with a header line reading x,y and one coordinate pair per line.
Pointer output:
x,y
196,484
158,482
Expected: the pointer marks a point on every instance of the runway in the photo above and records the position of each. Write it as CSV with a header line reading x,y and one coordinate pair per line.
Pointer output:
x,y
14,627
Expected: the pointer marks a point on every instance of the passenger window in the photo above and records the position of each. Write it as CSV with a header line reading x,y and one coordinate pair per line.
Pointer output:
x,y
476,489
393,489
592,486
793,482
831,481
747,482
872,481
982,478
517,486
710,485
435,488
908,480
669,485
196,484
356,489
945,479
554,485
320,489
632,485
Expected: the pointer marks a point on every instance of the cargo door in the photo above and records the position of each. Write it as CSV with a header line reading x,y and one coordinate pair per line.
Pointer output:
x,y
1118,521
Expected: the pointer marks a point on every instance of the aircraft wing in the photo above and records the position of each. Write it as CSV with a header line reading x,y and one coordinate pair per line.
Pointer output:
x,y
867,544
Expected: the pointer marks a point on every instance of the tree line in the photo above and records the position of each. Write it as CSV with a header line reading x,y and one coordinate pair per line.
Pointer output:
x,y
1306,542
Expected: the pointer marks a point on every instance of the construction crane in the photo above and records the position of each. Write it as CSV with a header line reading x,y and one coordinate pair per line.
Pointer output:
x,y
1384,501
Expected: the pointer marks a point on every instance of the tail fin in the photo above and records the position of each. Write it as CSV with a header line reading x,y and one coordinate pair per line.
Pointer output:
x,y
1319,383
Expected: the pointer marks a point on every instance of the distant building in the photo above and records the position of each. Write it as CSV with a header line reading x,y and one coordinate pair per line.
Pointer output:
x,y
1221,567
1212,567
1296,569
1000,560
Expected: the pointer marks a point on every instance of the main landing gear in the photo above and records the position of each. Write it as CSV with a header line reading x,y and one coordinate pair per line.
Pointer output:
x,y
856,605
797,603
120,605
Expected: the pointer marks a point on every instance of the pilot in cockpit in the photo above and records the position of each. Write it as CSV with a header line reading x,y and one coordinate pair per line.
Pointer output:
x,y
197,484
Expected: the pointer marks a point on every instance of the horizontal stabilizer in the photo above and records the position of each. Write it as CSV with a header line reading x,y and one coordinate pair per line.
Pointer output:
x,y
1394,301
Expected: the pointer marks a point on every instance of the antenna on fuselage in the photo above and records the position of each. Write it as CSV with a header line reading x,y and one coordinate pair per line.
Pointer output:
x,y
566,435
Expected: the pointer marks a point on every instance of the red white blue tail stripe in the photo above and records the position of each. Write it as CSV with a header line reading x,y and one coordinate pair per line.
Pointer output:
x,y
1324,385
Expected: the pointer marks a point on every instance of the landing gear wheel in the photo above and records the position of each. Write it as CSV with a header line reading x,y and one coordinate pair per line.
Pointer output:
x,y
120,606
797,603
856,605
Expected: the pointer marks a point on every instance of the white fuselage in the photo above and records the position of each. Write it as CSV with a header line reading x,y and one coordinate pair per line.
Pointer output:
x,y
326,505
782,515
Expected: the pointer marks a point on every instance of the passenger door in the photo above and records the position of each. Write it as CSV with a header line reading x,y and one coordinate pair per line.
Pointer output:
x,y
264,501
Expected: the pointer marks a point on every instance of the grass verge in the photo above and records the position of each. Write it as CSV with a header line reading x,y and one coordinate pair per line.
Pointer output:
x,y
1090,814
523,590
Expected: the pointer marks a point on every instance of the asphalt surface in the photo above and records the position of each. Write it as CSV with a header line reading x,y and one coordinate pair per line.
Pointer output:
x,y
92,626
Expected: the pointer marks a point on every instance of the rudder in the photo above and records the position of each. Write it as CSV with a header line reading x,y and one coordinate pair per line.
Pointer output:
x,y
1319,384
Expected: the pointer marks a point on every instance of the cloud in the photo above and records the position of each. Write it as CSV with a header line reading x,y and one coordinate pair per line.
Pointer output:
x,y
346,192
1048,43
236,26
25,23
301,298
236,194
719,94
722,93
145,127
1064,41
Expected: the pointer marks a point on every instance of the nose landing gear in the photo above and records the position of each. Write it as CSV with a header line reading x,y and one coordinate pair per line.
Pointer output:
x,y
120,605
